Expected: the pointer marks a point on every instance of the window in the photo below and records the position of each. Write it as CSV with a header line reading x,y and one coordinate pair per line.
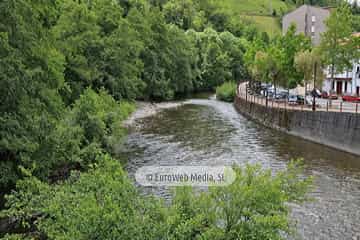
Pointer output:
x,y
312,29
313,19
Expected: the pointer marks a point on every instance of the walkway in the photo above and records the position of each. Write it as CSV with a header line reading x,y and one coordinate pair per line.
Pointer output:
x,y
325,105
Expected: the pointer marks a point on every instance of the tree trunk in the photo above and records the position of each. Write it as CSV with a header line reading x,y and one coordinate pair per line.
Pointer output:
x,y
274,82
306,82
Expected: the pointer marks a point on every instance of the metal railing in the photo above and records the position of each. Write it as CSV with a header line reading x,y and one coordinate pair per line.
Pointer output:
x,y
323,105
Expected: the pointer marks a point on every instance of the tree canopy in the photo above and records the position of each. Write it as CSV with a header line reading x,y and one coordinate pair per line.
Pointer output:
x,y
337,44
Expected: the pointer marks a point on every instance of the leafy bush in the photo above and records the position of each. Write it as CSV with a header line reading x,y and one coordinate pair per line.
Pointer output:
x,y
74,140
100,116
104,204
226,92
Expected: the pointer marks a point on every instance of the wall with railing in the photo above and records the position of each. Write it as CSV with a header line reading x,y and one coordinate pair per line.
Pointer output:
x,y
324,105
335,125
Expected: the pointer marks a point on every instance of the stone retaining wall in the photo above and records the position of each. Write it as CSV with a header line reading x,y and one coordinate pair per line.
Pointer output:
x,y
334,129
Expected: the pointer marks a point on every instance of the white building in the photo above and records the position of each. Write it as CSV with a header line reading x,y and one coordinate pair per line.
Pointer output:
x,y
310,21
347,83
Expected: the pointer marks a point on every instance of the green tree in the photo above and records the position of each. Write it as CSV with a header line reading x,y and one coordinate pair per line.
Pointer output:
x,y
235,48
305,63
259,69
121,64
292,43
183,13
214,60
254,58
273,67
337,43
30,78
104,204
78,38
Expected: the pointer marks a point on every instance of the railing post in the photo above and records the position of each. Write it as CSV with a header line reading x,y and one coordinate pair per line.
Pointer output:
x,y
246,90
341,104
357,106
327,106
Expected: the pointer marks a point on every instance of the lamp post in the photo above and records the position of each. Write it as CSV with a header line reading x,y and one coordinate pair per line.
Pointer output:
x,y
314,91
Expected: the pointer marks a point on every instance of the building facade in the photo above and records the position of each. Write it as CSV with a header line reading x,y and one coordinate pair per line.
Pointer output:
x,y
347,83
308,20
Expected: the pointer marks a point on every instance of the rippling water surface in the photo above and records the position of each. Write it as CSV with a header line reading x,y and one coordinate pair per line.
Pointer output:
x,y
209,132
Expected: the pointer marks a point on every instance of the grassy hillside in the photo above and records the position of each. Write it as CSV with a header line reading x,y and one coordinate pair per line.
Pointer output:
x,y
265,14
256,7
268,24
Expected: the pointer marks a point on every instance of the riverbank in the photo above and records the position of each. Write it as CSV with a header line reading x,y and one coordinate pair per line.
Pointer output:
x,y
333,129
147,109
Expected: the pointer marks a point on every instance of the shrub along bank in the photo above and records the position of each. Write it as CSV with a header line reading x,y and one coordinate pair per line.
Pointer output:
x,y
226,92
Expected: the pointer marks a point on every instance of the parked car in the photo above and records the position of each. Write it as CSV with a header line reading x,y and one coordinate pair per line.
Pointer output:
x,y
333,96
316,93
350,98
270,94
300,99
296,99
324,95
281,96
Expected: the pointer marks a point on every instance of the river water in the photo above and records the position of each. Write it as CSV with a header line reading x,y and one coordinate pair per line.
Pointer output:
x,y
209,132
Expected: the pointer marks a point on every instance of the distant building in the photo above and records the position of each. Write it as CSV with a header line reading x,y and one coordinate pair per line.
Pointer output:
x,y
309,20
347,83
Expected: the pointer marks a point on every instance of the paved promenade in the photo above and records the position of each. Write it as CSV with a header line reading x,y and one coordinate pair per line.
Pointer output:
x,y
321,104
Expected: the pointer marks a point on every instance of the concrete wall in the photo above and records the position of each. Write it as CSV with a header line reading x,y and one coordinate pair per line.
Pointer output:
x,y
334,129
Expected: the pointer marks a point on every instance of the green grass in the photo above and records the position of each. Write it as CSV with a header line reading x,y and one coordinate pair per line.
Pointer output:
x,y
256,7
258,11
226,92
271,25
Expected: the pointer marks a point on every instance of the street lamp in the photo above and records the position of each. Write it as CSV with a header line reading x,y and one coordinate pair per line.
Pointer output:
x,y
314,91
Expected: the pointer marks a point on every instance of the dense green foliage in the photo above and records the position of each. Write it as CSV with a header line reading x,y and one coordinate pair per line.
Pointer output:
x,y
273,61
104,204
307,63
338,46
59,57
226,92
69,71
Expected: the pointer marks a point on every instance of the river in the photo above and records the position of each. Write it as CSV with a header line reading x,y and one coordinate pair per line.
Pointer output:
x,y
210,132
